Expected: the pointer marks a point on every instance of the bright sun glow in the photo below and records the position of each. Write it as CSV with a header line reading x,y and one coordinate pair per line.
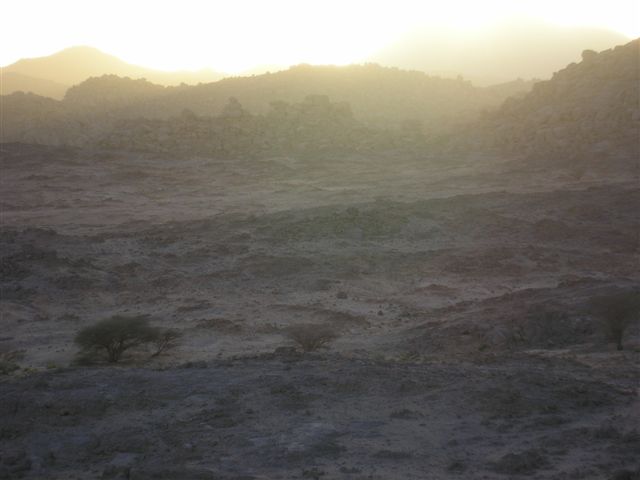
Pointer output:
x,y
233,36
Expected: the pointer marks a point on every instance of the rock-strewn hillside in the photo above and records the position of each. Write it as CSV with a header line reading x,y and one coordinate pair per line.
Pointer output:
x,y
382,98
587,114
587,110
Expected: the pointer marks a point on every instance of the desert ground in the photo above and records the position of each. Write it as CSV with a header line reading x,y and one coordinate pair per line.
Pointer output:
x,y
458,288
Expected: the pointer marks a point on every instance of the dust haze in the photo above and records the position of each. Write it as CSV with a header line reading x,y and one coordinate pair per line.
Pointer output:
x,y
419,264
519,48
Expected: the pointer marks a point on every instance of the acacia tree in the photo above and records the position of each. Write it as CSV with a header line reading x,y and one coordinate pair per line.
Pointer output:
x,y
617,312
117,334
166,340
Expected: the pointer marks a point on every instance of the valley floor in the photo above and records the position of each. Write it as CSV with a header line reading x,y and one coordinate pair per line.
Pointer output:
x,y
459,291
323,416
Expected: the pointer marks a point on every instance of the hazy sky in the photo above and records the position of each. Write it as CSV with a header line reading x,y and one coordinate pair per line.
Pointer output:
x,y
235,35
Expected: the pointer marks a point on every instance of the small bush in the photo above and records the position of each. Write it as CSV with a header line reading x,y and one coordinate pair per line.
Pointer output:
x,y
311,337
617,312
8,361
166,340
115,335
8,367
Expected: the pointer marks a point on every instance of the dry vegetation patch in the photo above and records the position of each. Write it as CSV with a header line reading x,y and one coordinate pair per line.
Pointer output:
x,y
311,336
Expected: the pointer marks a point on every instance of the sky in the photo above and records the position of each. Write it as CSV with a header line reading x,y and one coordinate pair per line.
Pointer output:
x,y
237,35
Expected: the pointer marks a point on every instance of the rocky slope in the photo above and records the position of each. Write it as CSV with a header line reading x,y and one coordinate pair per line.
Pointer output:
x,y
589,110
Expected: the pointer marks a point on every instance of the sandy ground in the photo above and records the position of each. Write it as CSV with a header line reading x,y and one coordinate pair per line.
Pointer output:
x,y
459,290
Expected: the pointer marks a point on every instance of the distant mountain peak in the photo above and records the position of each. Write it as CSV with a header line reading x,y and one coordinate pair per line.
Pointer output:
x,y
75,64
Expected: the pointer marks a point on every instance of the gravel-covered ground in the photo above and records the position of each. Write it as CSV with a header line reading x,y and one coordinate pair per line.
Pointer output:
x,y
324,416
459,293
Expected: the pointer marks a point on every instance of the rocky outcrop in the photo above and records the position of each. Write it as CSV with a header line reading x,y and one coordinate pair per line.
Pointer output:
x,y
589,110
312,126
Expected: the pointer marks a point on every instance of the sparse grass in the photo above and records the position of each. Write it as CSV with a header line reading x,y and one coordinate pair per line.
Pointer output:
x,y
8,367
392,455
8,361
409,357
221,325
405,414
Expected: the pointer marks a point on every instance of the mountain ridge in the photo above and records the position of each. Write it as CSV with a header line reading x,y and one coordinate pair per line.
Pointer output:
x,y
76,64
585,112
379,96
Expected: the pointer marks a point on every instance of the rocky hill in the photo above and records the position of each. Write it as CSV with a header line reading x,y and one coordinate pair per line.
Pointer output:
x,y
379,96
589,110
110,92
